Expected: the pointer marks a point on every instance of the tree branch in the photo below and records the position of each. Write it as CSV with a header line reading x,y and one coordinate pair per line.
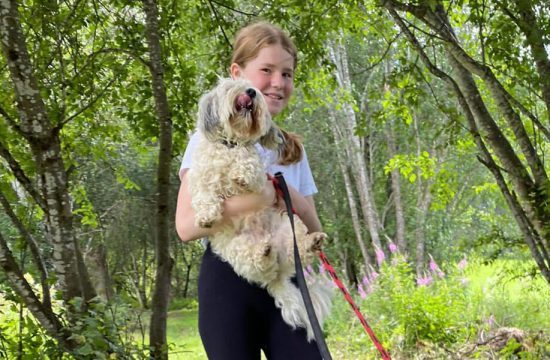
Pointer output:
x,y
378,61
23,179
20,285
219,22
10,120
534,37
35,251
233,9
90,103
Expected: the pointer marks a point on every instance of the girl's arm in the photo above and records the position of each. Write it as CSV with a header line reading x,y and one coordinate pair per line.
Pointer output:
x,y
305,209
185,215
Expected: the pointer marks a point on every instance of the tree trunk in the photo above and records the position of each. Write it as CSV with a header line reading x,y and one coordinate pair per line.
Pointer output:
x,y
525,188
357,228
161,293
396,191
19,284
43,139
353,146
99,268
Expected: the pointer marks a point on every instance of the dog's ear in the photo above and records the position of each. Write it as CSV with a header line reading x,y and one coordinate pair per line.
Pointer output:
x,y
208,118
273,139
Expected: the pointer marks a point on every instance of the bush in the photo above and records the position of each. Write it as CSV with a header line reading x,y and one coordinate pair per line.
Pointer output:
x,y
414,313
403,311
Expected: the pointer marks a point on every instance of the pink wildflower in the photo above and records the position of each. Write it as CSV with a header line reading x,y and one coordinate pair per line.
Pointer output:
x,y
380,256
490,320
362,292
462,264
424,281
366,280
435,268
309,269
392,247
322,268
433,265
373,275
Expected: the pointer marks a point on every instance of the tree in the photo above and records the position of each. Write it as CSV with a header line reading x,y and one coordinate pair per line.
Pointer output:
x,y
35,126
510,149
161,295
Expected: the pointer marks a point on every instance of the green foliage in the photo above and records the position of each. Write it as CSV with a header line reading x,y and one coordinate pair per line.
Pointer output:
x,y
419,313
184,303
103,330
410,165
19,330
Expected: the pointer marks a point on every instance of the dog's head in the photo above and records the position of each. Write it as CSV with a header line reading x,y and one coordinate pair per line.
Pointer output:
x,y
235,112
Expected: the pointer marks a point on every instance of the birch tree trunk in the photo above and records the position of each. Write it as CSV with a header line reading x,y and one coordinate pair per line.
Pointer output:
x,y
161,293
516,166
357,228
396,192
43,139
353,147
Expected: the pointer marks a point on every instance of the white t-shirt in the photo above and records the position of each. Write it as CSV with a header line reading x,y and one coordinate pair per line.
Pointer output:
x,y
297,175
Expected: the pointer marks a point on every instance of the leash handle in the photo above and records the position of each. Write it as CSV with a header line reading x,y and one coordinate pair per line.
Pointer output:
x,y
328,267
281,187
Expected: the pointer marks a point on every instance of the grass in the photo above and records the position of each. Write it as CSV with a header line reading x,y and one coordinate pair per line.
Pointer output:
x,y
183,335
508,300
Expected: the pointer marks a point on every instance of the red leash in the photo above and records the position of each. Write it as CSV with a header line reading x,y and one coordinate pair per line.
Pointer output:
x,y
282,191
385,355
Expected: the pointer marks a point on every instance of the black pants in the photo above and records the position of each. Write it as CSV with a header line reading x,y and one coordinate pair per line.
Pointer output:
x,y
238,319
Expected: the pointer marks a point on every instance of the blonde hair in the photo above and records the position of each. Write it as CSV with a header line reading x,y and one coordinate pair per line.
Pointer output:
x,y
254,37
247,45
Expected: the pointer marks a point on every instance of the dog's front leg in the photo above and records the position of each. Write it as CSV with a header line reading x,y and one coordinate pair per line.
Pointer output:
x,y
208,209
247,175
309,244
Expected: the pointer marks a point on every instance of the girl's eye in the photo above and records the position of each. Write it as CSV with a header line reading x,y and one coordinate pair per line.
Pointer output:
x,y
266,70
287,75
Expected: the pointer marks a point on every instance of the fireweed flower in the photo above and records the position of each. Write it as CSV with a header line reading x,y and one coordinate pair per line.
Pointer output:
x,y
366,280
373,275
362,292
322,268
435,268
462,263
490,321
380,256
424,281
392,247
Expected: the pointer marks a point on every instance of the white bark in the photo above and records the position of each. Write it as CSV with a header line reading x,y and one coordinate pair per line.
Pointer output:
x,y
353,146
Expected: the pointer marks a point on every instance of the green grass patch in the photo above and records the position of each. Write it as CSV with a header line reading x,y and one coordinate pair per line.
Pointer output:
x,y
183,335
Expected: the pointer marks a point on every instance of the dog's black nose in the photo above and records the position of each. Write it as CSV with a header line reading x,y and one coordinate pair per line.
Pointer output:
x,y
251,92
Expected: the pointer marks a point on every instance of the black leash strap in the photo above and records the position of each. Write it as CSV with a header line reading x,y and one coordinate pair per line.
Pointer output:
x,y
319,338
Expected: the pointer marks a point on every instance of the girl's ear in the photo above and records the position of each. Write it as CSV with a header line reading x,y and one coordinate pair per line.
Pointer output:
x,y
235,71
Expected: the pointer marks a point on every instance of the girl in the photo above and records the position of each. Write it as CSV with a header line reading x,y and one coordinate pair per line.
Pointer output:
x,y
238,319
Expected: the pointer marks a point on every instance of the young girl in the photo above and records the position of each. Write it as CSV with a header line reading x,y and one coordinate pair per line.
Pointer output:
x,y
238,319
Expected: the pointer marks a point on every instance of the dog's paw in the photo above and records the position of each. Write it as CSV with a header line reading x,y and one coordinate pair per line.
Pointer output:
x,y
317,239
204,223
207,219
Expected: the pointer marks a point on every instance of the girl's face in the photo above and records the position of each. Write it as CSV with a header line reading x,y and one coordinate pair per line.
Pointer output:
x,y
271,72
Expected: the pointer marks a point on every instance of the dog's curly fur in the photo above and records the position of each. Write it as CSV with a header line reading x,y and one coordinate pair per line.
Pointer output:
x,y
232,118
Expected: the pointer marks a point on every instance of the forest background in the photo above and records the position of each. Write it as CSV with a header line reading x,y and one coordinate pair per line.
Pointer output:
x,y
426,124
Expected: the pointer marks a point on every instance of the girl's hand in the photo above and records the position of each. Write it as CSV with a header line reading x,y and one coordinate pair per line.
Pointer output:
x,y
233,206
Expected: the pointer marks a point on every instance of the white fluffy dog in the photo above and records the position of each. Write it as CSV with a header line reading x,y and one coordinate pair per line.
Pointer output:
x,y
232,118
